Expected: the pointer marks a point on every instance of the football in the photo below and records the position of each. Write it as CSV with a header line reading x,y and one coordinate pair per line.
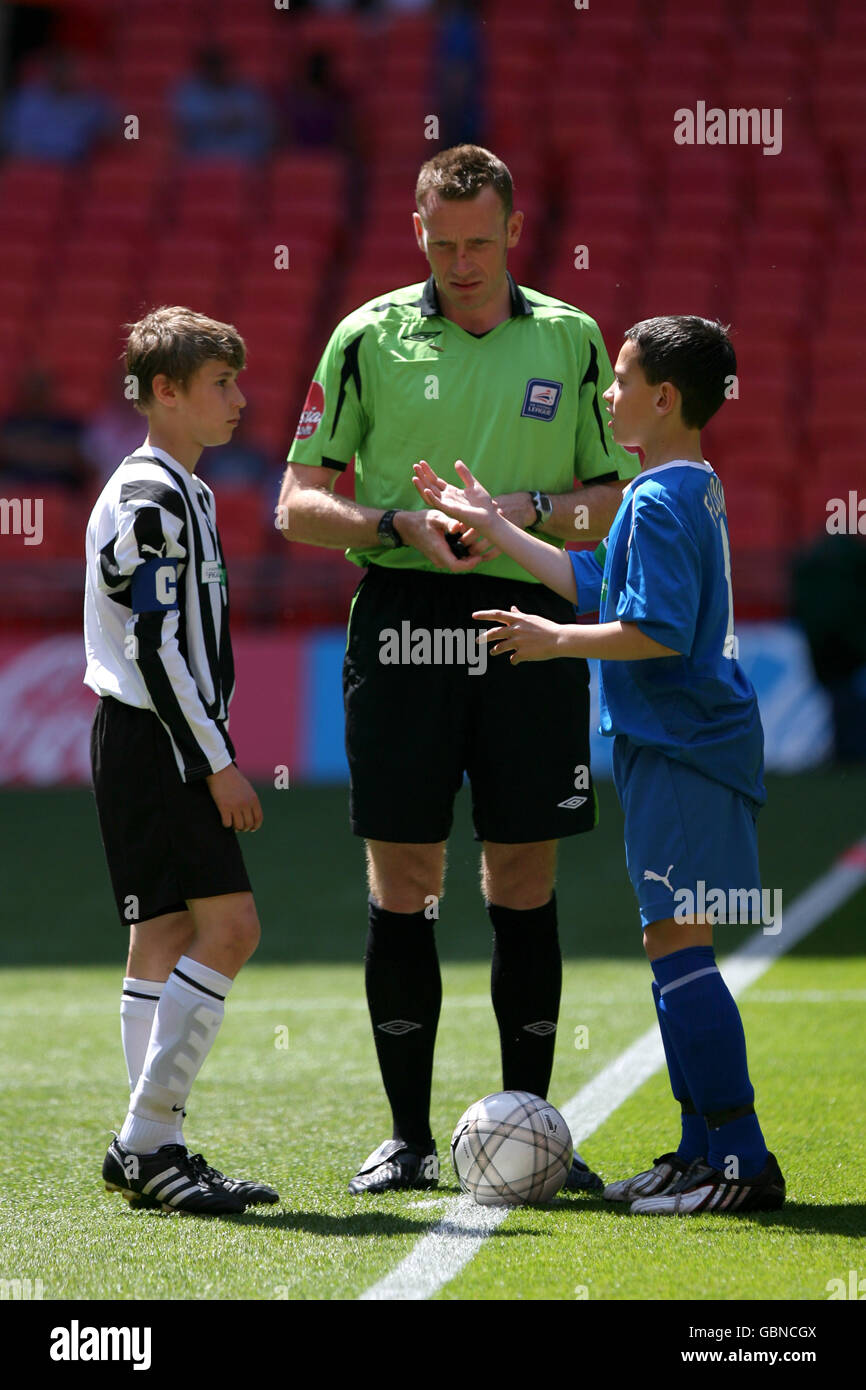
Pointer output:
x,y
511,1148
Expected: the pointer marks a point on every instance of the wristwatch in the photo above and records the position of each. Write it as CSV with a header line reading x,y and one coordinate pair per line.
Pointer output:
x,y
543,509
388,535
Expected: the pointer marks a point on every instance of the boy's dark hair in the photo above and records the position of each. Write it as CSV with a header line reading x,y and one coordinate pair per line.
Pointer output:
x,y
694,354
175,341
462,172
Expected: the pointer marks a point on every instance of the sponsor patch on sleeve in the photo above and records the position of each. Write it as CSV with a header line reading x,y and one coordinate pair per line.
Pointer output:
x,y
312,412
542,398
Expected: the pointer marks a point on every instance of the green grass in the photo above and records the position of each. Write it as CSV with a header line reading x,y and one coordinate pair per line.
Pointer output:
x,y
302,1115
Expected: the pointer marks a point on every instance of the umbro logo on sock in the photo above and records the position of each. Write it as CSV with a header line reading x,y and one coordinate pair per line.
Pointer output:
x,y
398,1026
542,1029
572,803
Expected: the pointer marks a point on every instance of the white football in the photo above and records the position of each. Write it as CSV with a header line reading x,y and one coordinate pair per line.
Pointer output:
x,y
511,1148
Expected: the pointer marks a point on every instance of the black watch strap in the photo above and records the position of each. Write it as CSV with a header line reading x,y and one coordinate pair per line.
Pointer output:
x,y
387,532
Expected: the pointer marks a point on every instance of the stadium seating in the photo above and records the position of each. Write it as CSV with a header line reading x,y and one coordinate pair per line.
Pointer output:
x,y
769,243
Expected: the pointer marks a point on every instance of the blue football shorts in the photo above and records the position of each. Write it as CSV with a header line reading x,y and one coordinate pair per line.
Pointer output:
x,y
691,844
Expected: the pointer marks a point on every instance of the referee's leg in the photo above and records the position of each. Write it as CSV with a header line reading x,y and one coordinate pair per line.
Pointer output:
x,y
404,987
526,971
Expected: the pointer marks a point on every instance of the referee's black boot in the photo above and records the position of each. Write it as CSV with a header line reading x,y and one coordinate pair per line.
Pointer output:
x,y
581,1177
397,1165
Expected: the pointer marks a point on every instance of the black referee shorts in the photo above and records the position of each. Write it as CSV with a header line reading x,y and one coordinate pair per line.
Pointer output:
x,y
163,837
520,733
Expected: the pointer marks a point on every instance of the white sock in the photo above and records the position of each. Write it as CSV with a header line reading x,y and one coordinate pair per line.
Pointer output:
x,y
187,1020
137,1008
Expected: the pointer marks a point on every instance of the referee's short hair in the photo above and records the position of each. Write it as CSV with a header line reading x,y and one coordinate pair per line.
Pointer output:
x,y
462,172
175,341
694,354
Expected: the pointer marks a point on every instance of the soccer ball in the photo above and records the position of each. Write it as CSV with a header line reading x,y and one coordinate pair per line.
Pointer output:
x,y
511,1148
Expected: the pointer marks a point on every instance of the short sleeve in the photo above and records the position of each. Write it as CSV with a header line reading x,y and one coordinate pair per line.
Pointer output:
x,y
333,420
662,588
588,575
595,453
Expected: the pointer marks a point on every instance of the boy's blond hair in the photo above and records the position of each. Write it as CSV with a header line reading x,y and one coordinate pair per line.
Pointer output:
x,y
174,341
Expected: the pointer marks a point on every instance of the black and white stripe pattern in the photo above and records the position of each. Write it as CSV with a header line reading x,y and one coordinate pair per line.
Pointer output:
x,y
180,662
173,1186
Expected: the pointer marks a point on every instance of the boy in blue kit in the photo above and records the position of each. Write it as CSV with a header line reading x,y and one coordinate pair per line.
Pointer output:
x,y
688,743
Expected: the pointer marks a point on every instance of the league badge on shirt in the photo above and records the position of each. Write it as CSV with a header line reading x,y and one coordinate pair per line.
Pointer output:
x,y
542,398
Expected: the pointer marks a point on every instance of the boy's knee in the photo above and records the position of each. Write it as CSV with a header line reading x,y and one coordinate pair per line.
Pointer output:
x,y
664,937
243,931
228,932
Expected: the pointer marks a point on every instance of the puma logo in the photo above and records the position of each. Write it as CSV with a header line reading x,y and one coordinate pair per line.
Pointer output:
x,y
649,876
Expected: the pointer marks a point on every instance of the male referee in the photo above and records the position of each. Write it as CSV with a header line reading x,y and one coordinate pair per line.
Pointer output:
x,y
467,365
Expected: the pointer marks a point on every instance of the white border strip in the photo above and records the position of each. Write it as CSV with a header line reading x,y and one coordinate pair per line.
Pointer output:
x,y
441,1254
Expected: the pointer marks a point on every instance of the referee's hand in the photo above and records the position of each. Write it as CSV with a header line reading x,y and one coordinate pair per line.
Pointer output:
x,y
426,532
236,800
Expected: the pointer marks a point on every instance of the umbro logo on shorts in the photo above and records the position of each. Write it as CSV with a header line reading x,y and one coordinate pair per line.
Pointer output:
x,y
572,803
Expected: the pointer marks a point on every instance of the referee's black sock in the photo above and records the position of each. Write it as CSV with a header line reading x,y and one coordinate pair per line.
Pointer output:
x,y
404,993
526,984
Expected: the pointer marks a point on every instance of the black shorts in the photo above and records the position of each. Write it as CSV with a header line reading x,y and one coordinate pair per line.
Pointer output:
x,y
520,733
163,837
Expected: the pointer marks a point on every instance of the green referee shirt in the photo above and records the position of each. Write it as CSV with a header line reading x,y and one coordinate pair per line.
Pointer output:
x,y
521,405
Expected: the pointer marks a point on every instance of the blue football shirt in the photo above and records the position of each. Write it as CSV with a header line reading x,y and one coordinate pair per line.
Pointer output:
x,y
667,567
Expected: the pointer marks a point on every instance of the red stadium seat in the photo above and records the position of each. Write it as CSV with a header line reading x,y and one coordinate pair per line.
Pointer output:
x,y
711,22
242,516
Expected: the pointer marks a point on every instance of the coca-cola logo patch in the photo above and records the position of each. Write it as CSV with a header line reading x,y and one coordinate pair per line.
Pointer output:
x,y
314,409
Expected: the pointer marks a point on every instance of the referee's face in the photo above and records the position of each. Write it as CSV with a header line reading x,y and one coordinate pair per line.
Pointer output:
x,y
466,242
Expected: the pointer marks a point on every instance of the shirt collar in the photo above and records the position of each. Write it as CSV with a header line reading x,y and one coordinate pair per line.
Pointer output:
x,y
161,456
520,305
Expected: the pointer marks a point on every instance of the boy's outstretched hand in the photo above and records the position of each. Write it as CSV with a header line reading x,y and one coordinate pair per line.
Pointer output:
x,y
471,504
527,636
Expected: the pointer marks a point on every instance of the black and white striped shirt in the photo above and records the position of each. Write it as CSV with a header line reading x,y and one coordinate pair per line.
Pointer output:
x,y
157,634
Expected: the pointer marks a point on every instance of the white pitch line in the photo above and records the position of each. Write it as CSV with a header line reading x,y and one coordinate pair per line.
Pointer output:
x,y
441,1254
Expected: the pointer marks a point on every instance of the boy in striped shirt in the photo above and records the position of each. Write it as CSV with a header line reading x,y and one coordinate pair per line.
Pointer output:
x,y
169,795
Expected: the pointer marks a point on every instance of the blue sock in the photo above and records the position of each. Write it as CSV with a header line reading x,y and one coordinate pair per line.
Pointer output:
x,y
693,1137
706,1031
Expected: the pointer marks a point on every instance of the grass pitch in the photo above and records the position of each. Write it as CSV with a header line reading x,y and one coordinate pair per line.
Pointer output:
x,y
290,1092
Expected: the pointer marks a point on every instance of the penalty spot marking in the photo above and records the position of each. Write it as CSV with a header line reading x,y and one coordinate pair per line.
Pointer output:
x,y
441,1254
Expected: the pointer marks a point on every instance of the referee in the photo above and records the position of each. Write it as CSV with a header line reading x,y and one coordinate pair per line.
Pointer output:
x,y
467,365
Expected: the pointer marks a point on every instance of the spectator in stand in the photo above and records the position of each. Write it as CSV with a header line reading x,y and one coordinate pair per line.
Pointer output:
x,y
220,116
317,111
54,116
458,73
241,463
39,444
112,432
